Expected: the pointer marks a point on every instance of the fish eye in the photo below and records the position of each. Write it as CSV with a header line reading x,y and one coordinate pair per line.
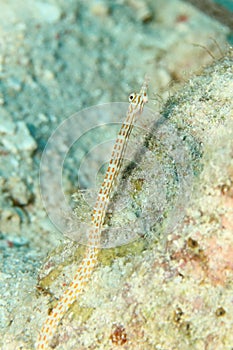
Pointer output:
x,y
131,97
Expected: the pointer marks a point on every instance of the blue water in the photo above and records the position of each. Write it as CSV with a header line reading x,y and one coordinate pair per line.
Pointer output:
x,y
226,3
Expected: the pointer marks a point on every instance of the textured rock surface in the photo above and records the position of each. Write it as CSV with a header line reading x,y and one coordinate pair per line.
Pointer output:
x,y
178,298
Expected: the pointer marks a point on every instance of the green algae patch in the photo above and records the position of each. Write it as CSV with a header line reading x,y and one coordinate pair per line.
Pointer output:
x,y
107,256
81,313
64,255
